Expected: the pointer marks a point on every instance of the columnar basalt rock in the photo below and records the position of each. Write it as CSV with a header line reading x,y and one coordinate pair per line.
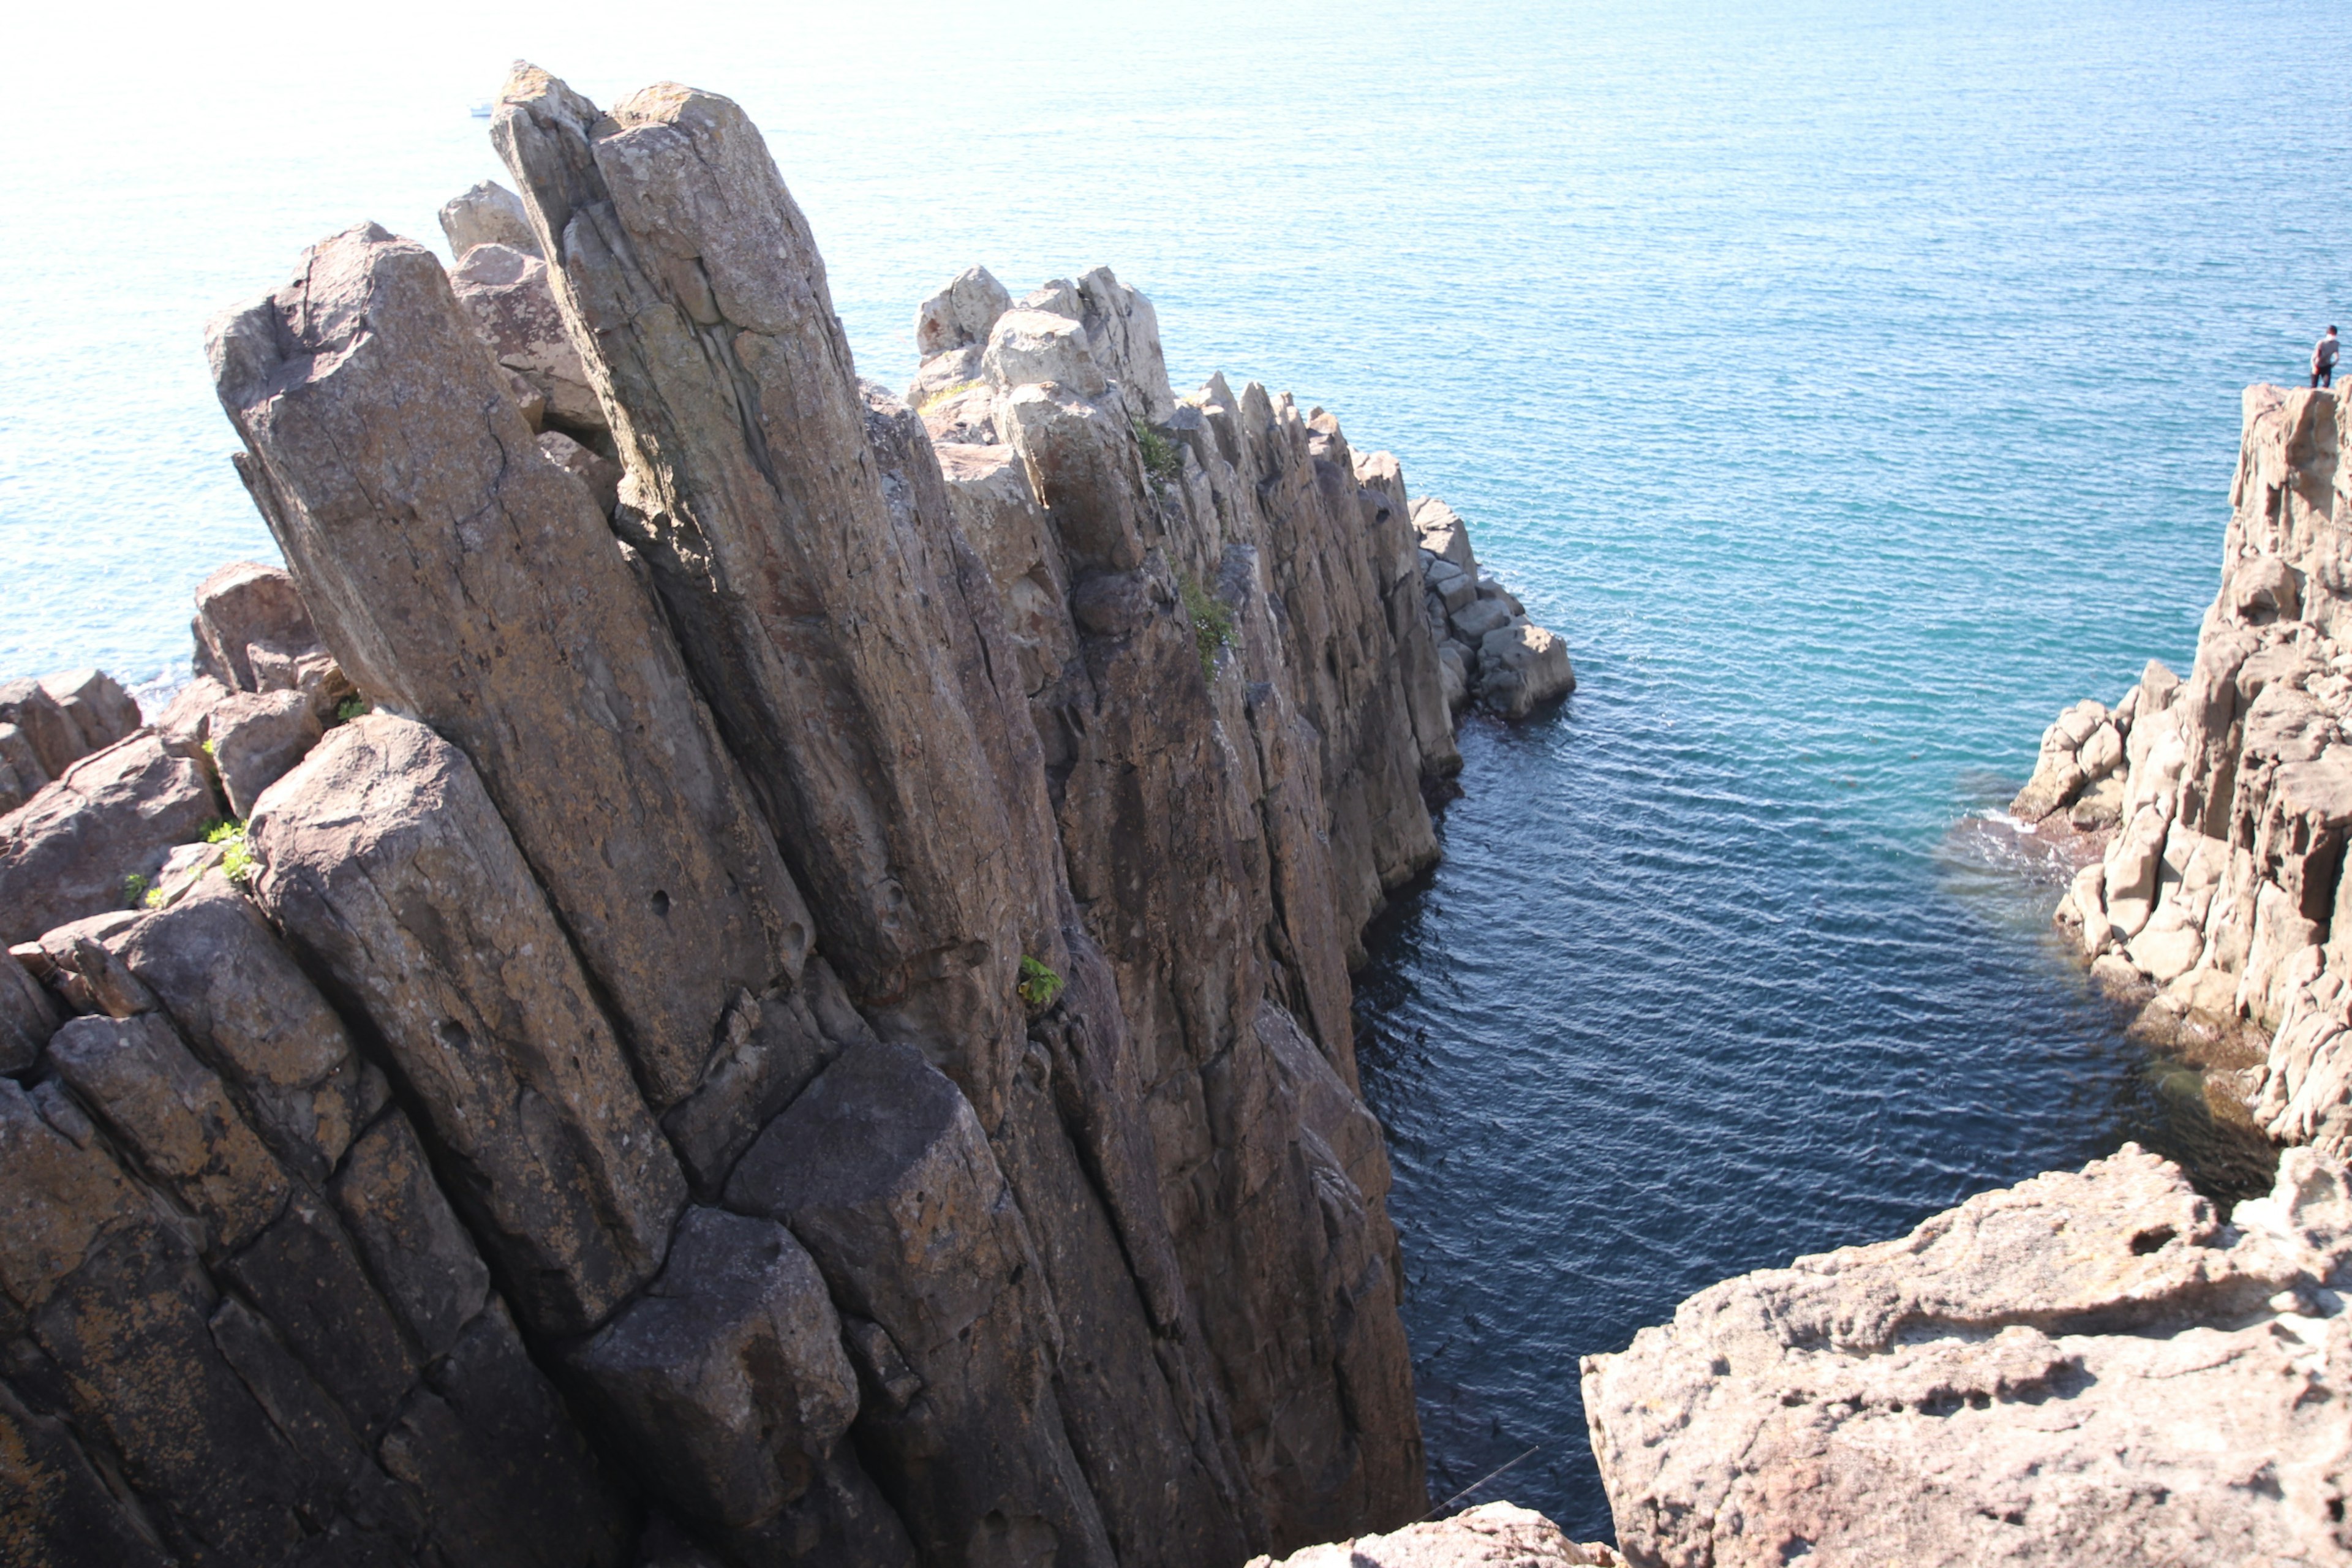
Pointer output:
x,y
2225,799
849,976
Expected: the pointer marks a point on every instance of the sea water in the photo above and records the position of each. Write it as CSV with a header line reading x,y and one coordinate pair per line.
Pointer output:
x,y
1852,383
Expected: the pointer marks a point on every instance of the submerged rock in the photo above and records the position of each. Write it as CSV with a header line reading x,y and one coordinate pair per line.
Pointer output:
x,y
2083,1368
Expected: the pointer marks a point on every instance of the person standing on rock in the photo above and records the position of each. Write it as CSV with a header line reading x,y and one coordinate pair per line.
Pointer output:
x,y
2323,359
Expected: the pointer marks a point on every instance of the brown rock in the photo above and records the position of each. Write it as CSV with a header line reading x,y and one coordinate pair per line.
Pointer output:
x,y
882,1171
186,724
115,814
244,604
2083,1368
1492,1535
388,869
505,292
247,1010
100,712
137,1076
55,741
572,706
419,1255
489,214
258,736
28,1016
21,773
812,606
727,1381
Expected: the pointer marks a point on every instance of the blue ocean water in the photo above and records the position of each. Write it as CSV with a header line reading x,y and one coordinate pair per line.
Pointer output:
x,y
1852,383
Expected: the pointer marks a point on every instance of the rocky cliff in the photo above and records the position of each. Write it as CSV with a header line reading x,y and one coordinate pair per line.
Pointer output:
x,y
2216,893
723,970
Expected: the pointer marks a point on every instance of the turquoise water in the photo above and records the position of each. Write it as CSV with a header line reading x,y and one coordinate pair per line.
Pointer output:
x,y
1852,385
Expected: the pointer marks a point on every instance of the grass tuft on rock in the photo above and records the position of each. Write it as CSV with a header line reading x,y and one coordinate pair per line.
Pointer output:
x,y
1213,622
1163,460
238,863
1039,985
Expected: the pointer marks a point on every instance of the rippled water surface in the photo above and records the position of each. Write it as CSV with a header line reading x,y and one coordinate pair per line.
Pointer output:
x,y
1853,384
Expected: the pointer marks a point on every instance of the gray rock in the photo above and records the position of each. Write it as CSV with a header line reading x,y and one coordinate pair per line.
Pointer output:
x,y
2003,1384
574,708
186,724
21,773
1123,334
489,214
506,292
1443,534
388,869
246,604
100,712
961,314
248,1010
599,474
1028,347
1491,1535
256,737
1521,666
1479,616
305,1276
115,815
418,1254
28,1016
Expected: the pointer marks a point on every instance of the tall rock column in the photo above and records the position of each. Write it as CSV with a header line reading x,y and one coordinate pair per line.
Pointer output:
x,y
460,577
806,605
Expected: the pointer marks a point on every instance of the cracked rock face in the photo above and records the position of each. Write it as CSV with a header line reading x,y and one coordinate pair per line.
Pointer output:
x,y
2085,1368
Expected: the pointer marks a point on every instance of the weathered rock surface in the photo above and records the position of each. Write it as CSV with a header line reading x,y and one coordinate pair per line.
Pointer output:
x,y
388,868
112,816
489,214
505,291
48,725
430,581
2226,798
851,975
2084,1368
1492,1535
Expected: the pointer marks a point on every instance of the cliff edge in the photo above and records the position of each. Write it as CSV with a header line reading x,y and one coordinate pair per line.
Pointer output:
x,y
722,970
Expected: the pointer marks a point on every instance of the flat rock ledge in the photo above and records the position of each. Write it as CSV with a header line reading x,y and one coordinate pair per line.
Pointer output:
x,y
2090,1368
1492,1535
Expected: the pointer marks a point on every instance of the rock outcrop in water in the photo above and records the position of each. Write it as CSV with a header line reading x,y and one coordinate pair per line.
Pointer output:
x,y
2085,1368
2229,794
814,1030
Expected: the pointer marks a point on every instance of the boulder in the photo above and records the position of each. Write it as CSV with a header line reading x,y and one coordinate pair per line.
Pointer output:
x,y
506,292
961,314
186,724
598,473
731,1391
388,869
29,1015
1474,620
55,741
95,704
489,214
256,737
882,1171
115,814
574,708
1443,534
245,1007
2083,1368
21,773
1521,666
1492,1535
244,605
1027,347
1123,334
139,1077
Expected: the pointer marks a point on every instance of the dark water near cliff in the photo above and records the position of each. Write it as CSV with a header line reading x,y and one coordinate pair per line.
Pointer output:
x,y
1853,384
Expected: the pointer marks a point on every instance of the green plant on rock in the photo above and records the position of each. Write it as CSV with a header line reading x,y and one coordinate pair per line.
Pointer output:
x,y
134,891
1213,622
238,863
208,748
1163,460
1039,985
157,898
348,709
